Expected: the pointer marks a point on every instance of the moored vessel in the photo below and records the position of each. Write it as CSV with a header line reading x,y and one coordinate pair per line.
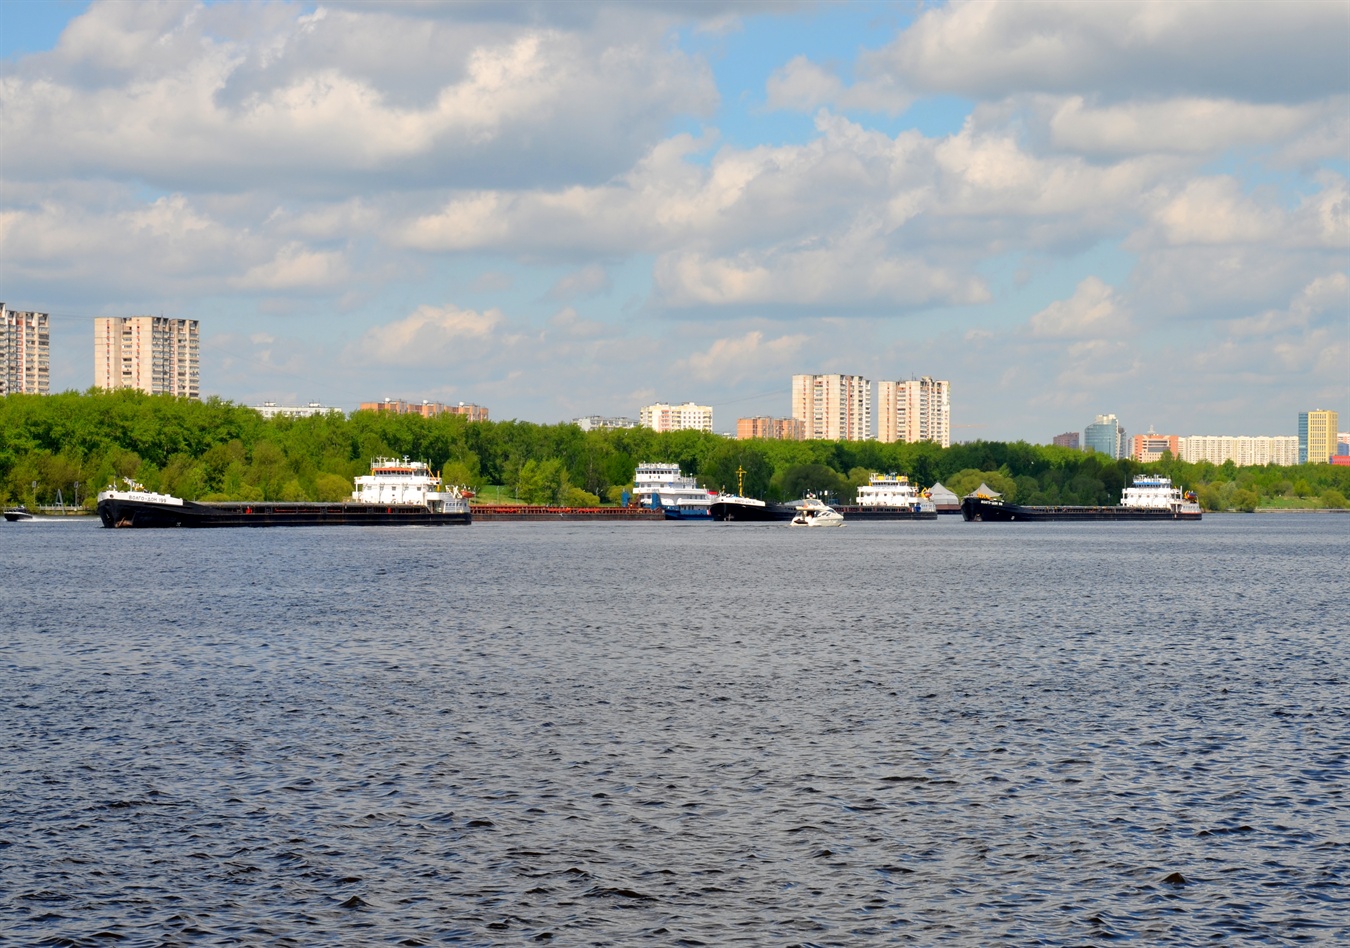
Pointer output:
x,y
889,497
659,486
732,507
1150,497
394,492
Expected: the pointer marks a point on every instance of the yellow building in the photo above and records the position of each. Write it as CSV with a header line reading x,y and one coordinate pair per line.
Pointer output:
x,y
1317,432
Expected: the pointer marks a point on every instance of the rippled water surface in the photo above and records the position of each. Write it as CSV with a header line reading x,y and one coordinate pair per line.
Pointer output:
x,y
939,733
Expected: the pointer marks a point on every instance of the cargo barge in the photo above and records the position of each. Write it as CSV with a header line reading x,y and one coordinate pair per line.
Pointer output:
x,y
395,493
485,513
1150,498
889,497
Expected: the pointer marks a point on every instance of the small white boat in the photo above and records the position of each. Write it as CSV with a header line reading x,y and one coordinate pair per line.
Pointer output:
x,y
812,512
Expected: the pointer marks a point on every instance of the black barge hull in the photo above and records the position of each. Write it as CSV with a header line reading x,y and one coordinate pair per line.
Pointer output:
x,y
974,508
886,513
130,513
730,511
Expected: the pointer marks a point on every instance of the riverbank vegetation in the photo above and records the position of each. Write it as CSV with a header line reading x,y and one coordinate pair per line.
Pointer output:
x,y
216,450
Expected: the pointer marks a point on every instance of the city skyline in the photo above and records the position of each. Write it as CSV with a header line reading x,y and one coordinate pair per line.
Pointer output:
x,y
573,210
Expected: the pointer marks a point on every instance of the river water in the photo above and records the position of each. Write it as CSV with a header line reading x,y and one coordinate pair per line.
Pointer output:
x,y
677,734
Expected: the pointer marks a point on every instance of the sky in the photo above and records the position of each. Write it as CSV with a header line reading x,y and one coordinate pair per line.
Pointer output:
x,y
561,209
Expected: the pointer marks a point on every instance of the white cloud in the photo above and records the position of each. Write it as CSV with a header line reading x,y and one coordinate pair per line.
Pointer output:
x,y
588,281
430,335
1186,125
732,360
1093,312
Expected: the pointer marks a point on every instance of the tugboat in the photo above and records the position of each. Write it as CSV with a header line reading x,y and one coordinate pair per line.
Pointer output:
x,y
1151,497
394,492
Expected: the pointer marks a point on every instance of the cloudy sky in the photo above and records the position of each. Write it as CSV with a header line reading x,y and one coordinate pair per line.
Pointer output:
x,y
557,209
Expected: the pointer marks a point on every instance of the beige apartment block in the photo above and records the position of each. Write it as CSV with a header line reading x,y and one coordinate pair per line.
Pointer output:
x,y
773,429
155,354
1150,447
917,410
663,416
25,352
833,407
1242,450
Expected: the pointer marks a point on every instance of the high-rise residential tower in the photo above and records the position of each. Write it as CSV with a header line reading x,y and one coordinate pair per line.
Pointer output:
x,y
833,407
151,353
1317,435
917,410
25,352
1105,436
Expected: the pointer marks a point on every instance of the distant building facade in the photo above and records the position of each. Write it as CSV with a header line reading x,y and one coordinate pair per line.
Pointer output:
x,y
1150,447
917,410
1068,439
427,409
25,352
154,354
1105,436
833,407
773,429
1317,436
273,410
663,416
1242,450
604,422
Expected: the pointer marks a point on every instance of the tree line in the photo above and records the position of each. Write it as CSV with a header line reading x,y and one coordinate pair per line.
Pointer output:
x,y
217,450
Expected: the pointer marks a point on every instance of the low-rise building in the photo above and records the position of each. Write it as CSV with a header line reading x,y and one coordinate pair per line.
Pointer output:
x,y
427,409
273,410
604,422
1068,439
663,416
774,429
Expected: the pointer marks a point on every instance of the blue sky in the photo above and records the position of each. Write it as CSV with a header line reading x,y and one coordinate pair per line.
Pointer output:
x,y
553,210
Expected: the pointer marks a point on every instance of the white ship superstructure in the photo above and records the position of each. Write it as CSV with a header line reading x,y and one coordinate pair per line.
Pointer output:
x,y
662,485
1155,492
401,481
891,490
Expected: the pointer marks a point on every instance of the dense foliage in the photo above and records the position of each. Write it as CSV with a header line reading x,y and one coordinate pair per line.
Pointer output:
x,y
217,450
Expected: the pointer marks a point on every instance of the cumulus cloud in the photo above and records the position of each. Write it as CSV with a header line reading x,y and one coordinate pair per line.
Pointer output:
x,y
1122,49
732,360
430,335
588,281
1093,312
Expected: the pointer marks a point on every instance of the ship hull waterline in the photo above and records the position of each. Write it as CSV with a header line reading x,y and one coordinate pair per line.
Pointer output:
x,y
974,509
143,514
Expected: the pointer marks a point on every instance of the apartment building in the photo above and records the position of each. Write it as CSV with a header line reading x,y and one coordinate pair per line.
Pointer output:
x,y
151,353
604,422
1068,439
663,416
1241,450
25,352
1150,447
773,429
833,407
916,410
1317,436
427,409
273,410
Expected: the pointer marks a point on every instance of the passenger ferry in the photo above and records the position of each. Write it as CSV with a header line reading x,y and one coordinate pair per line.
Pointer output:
x,y
663,487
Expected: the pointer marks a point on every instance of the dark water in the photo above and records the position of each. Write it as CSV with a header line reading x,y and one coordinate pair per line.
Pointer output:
x,y
938,733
